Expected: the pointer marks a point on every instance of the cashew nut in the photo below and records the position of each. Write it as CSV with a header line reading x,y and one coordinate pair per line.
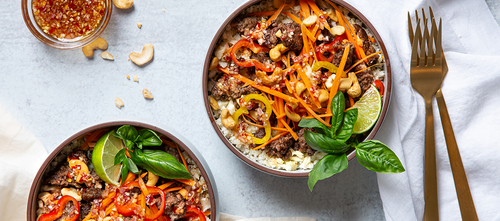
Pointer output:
x,y
136,78
311,20
144,57
355,90
99,43
107,56
289,111
152,179
332,15
147,94
299,87
272,79
323,95
276,52
214,63
119,103
71,192
227,119
345,84
123,4
338,30
139,25
128,76
81,168
213,103
44,196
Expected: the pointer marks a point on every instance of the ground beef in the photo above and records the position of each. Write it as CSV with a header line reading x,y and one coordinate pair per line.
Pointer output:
x,y
365,78
291,36
327,37
261,132
175,206
281,147
263,58
339,51
367,45
301,144
91,193
230,88
60,177
85,208
245,25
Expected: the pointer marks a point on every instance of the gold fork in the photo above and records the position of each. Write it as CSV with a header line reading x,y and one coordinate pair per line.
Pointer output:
x,y
467,208
426,78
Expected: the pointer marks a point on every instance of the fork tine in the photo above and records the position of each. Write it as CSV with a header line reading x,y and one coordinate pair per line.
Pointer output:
x,y
432,40
410,28
425,38
414,50
439,46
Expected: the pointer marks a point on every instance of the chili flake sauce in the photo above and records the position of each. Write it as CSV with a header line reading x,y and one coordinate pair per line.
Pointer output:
x,y
68,19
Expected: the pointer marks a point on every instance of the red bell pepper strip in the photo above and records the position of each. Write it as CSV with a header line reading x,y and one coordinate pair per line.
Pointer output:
x,y
57,212
256,48
380,86
328,47
128,208
193,211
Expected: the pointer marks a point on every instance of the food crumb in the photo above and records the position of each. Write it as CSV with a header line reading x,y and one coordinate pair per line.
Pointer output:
x,y
139,25
107,56
147,94
119,103
136,78
128,76
163,10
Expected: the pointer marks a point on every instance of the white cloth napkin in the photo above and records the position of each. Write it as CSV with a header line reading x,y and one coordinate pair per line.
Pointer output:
x,y
21,154
227,217
471,39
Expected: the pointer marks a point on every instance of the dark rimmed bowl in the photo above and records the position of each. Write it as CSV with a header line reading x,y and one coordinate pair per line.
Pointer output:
x,y
161,129
299,173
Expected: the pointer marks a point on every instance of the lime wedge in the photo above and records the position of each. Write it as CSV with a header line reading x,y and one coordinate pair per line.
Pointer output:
x,y
103,158
369,107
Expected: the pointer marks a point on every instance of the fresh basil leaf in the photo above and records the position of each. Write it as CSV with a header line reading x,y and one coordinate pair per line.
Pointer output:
x,y
160,163
318,126
131,165
124,171
120,156
148,137
345,132
324,143
327,167
337,106
376,156
128,134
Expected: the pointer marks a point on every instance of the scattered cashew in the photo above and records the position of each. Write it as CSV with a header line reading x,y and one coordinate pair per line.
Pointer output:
x,y
152,179
338,30
99,43
299,87
107,56
136,78
119,103
276,52
144,57
227,119
213,103
128,76
44,196
323,95
345,84
214,63
355,90
332,15
272,79
289,111
139,25
311,20
71,192
123,4
147,94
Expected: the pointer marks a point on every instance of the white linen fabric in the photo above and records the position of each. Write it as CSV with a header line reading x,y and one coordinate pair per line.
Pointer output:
x,y
227,217
21,156
471,39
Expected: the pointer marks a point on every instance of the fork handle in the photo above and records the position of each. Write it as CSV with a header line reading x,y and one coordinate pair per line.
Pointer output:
x,y
431,212
465,201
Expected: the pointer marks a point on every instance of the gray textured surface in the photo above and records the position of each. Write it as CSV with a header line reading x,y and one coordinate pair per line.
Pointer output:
x,y
54,93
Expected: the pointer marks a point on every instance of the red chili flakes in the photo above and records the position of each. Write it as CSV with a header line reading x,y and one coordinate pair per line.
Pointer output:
x,y
68,19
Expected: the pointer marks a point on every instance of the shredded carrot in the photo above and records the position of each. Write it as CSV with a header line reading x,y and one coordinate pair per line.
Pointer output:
x,y
336,80
207,213
182,157
167,142
293,17
188,182
141,176
305,48
143,187
93,137
308,84
165,185
130,177
275,15
309,34
142,201
309,110
305,8
262,126
359,62
364,69
109,199
294,135
172,189
88,217
183,192
109,209
318,12
351,100
269,141
320,115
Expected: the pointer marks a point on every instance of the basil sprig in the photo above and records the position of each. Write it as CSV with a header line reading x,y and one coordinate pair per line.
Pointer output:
x,y
158,162
337,140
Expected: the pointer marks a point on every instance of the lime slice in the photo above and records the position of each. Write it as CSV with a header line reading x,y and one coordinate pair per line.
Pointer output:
x,y
369,107
103,158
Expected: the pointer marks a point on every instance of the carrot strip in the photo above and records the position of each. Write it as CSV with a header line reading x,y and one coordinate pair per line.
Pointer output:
x,y
290,130
143,187
351,101
275,15
309,110
269,141
349,30
182,157
260,87
142,201
293,17
316,10
105,202
88,217
305,49
308,84
130,177
359,62
305,8
165,185
188,182
336,80
168,142
183,192
309,34
173,189
93,137
207,213
320,115
262,126
368,67
109,209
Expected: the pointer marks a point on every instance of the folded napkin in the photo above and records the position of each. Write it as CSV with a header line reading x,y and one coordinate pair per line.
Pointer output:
x,y
21,154
472,94
227,217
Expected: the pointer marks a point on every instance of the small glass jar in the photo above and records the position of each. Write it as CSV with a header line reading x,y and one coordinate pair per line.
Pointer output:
x,y
60,43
